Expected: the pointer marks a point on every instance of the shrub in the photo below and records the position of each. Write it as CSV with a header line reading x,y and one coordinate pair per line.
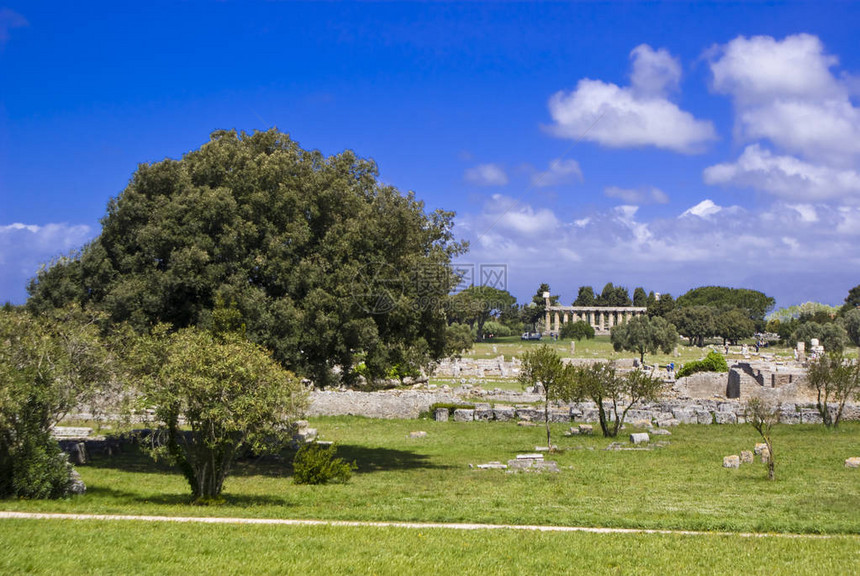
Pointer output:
x,y
497,329
577,330
316,464
33,466
713,362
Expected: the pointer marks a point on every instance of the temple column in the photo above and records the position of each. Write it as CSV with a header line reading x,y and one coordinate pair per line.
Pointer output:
x,y
611,319
556,322
564,319
547,324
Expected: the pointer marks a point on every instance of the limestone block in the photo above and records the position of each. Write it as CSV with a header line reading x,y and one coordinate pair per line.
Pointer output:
x,y
684,416
759,447
418,434
810,417
441,415
559,416
590,415
765,456
504,413
853,462
660,432
640,438
789,416
726,417
529,414
77,485
746,457
493,466
704,417
732,461
483,413
464,415
665,422
586,429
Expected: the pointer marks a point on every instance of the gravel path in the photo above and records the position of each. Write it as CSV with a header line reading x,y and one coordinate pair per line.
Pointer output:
x,y
408,525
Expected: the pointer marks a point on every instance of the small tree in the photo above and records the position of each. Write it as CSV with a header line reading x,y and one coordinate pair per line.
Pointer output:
x,y
543,365
643,334
577,330
835,379
48,365
601,383
230,392
762,416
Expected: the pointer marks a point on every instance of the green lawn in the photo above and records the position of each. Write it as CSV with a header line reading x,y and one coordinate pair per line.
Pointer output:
x,y
91,547
678,486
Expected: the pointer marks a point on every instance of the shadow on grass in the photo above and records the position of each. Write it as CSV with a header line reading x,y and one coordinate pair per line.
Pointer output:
x,y
368,459
185,499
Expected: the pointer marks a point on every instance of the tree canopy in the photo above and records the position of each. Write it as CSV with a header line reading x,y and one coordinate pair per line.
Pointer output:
x,y
643,334
756,304
324,262
477,304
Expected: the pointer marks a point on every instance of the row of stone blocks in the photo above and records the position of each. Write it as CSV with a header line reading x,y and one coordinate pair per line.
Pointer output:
x,y
724,413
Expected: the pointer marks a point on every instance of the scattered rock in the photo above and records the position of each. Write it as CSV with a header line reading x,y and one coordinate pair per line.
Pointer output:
x,y
531,463
77,485
732,461
853,462
418,434
640,438
525,423
759,447
586,429
746,457
492,466
660,432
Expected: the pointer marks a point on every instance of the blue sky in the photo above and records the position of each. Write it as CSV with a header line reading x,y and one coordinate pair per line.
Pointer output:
x,y
659,145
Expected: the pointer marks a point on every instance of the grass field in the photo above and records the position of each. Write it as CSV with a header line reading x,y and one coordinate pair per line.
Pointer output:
x,y
678,486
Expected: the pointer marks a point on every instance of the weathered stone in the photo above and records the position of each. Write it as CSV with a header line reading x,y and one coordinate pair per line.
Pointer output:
x,y
483,413
640,438
759,447
77,485
525,423
529,413
732,461
532,465
853,462
660,432
493,466
441,415
765,456
810,417
464,415
504,413
666,422
684,416
418,434
725,417
559,416
586,429
789,416
642,424
704,417
746,457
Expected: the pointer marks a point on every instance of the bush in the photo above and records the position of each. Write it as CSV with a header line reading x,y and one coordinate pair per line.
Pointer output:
x,y
713,362
33,466
577,330
316,464
497,329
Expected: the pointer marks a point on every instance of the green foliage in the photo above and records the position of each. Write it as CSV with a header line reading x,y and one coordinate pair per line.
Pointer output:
x,y
476,305
230,392
458,339
798,311
713,362
316,464
48,365
497,329
642,334
852,325
835,380
323,261
602,384
577,330
852,301
612,296
640,297
694,322
659,306
534,311
733,325
754,303
543,365
832,336
585,297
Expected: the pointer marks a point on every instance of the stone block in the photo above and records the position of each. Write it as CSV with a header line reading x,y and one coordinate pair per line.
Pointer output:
x,y
464,415
789,416
559,416
732,461
586,429
441,415
590,415
765,456
759,447
504,413
810,417
746,457
704,417
529,414
684,416
726,417
640,438
667,422
418,434
660,432
483,414
853,462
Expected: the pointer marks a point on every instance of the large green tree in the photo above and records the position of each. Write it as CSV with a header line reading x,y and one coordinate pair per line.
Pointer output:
x,y
535,311
694,322
477,304
754,303
324,262
733,325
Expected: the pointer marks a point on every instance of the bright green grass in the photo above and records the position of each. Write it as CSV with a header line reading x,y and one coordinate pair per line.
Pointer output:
x,y
90,547
680,486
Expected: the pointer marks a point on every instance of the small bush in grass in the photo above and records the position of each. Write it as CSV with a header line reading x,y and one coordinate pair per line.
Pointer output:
x,y
713,362
316,464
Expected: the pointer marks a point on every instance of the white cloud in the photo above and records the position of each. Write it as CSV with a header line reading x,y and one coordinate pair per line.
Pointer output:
x,y
784,91
786,177
507,214
636,116
785,251
486,175
645,195
24,247
655,72
559,172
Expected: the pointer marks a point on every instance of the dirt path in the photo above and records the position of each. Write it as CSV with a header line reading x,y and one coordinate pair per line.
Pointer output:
x,y
408,525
